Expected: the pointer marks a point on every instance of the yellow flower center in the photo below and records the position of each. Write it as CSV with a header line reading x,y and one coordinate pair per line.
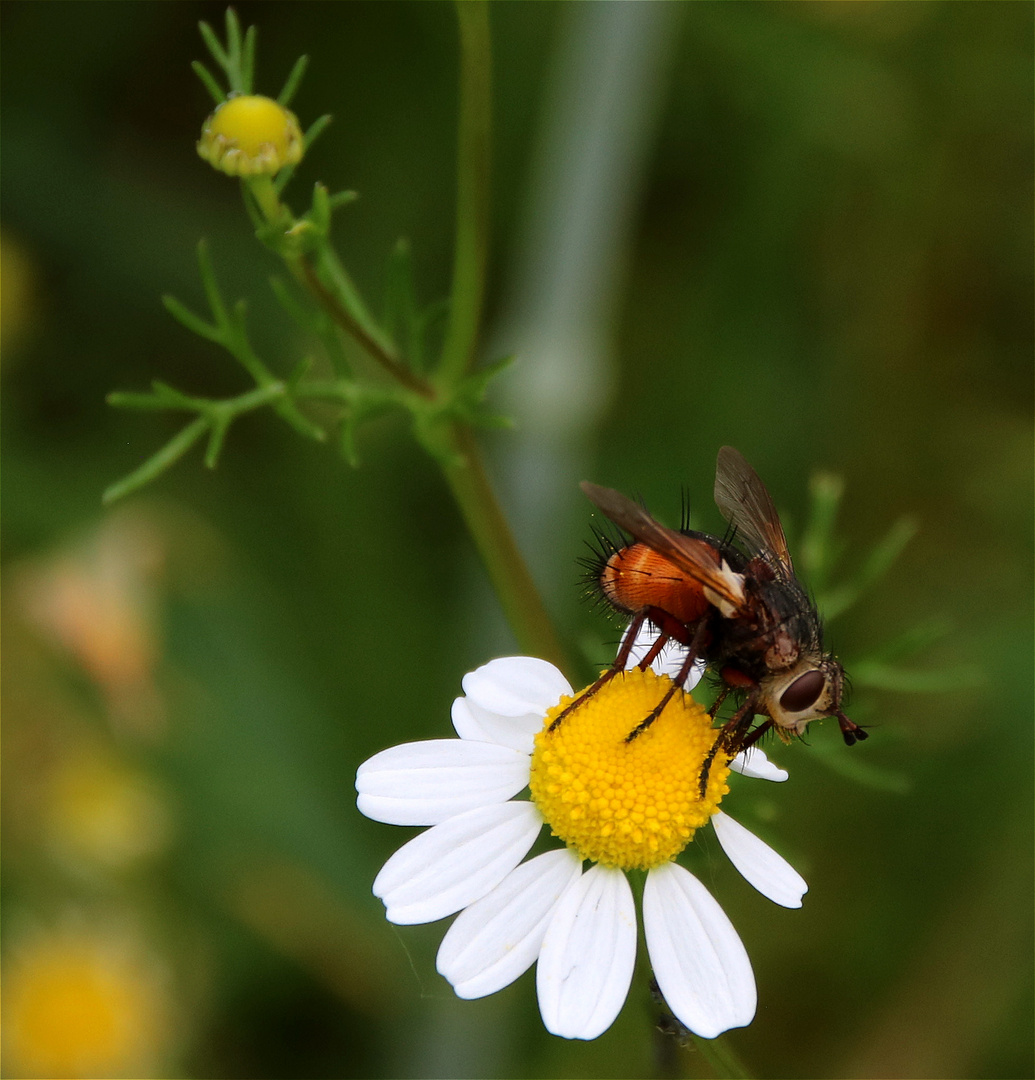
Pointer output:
x,y
630,804
251,135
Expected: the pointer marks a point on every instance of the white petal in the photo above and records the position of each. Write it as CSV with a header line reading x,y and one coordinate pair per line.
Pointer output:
x,y
464,722
516,685
770,873
753,762
498,938
699,961
457,862
471,721
586,962
669,661
423,783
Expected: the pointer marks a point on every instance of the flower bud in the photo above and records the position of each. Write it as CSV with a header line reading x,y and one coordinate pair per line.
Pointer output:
x,y
251,135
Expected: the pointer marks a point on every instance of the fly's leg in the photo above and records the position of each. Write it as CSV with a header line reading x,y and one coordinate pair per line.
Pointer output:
x,y
719,701
667,628
752,737
655,650
684,674
734,736
619,665
586,694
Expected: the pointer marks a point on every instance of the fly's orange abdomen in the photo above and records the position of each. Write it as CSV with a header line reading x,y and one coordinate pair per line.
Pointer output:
x,y
638,577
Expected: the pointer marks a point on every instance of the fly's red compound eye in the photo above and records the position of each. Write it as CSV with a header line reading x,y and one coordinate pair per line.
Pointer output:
x,y
803,692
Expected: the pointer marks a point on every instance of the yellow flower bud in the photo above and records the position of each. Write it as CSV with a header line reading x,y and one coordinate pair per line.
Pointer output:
x,y
250,135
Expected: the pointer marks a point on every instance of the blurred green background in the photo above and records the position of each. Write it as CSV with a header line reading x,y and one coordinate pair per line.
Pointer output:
x,y
803,229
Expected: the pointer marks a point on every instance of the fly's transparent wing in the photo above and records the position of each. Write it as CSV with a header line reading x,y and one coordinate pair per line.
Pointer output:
x,y
747,505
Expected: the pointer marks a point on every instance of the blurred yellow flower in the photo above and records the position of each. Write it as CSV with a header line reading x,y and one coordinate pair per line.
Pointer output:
x,y
103,814
81,1003
251,135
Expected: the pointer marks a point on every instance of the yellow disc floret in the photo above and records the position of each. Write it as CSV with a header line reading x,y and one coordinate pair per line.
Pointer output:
x,y
636,803
251,135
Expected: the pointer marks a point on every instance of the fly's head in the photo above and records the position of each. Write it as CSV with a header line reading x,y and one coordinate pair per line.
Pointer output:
x,y
810,690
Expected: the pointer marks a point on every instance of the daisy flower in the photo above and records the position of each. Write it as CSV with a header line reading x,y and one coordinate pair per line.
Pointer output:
x,y
618,805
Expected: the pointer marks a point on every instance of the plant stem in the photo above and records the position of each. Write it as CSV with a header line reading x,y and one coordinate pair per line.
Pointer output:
x,y
517,592
265,195
721,1057
462,466
173,450
331,271
472,191
329,302
341,301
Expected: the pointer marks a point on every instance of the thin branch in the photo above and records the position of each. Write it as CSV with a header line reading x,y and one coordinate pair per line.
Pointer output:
x,y
330,303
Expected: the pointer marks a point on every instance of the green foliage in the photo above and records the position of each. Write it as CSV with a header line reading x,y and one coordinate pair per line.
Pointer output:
x,y
333,311
237,59
398,366
822,551
227,328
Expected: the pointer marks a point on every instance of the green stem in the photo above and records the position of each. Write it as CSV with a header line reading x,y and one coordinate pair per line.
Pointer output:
x,y
265,195
265,394
472,191
462,465
332,288
338,280
517,592
173,450
722,1058
337,311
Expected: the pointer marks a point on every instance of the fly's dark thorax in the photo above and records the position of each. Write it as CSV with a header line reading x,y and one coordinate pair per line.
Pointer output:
x,y
779,627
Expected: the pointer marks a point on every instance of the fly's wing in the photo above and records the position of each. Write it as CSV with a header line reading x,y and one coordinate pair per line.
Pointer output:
x,y
746,505
697,559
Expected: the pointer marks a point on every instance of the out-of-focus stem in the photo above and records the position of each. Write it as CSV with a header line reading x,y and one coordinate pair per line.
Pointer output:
x,y
723,1060
517,592
472,191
